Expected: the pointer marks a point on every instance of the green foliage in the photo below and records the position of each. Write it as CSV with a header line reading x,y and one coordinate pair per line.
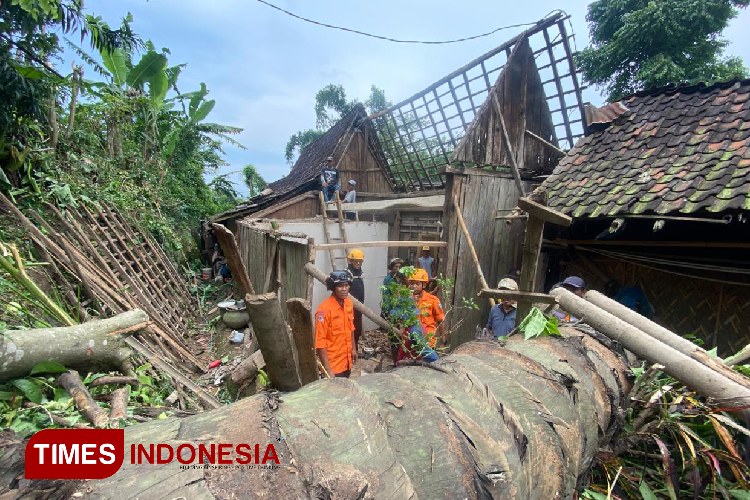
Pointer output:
x,y
674,445
536,324
637,44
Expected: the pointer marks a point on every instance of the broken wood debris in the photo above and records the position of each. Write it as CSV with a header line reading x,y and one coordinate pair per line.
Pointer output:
x,y
118,268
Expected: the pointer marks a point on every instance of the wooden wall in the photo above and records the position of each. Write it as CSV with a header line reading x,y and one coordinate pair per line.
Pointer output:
x,y
358,163
718,313
304,206
274,261
481,195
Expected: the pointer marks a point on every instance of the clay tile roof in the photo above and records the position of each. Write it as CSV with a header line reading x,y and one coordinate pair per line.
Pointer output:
x,y
673,150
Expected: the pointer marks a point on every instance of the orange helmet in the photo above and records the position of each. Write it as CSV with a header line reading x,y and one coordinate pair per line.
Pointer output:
x,y
419,275
356,254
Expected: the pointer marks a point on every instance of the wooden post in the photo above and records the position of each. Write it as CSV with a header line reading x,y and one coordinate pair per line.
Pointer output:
x,y
275,340
532,244
473,251
232,254
300,321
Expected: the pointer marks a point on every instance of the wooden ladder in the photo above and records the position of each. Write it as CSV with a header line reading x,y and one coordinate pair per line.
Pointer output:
x,y
329,239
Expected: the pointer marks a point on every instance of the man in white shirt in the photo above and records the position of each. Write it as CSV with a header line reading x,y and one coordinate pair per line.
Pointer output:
x,y
351,194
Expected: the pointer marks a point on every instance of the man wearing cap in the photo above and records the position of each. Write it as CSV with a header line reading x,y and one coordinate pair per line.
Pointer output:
x,y
427,262
355,258
502,318
351,194
329,180
576,285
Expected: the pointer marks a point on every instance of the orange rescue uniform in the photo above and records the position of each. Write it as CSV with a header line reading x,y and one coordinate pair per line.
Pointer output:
x,y
334,324
431,314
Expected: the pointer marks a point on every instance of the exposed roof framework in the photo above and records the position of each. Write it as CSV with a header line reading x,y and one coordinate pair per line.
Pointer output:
x,y
421,133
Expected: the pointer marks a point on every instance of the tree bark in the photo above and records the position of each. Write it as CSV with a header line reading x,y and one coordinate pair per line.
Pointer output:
x,y
82,345
491,423
685,369
661,334
300,321
118,404
275,340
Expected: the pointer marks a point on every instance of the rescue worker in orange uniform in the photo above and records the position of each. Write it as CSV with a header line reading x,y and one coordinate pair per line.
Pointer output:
x,y
334,327
430,311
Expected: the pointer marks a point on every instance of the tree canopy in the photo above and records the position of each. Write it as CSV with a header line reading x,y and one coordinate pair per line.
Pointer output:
x,y
330,105
130,137
636,44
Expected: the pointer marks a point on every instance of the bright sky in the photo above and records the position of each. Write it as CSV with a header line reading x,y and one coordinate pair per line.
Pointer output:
x,y
264,67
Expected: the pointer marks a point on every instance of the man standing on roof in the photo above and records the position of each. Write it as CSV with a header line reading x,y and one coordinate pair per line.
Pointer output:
x,y
502,318
334,327
431,312
356,257
427,262
329,180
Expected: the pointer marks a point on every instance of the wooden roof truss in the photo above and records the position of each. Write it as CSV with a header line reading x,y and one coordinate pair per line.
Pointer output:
x,y
419,134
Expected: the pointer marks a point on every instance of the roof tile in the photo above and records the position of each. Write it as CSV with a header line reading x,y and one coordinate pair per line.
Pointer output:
x,y
682,149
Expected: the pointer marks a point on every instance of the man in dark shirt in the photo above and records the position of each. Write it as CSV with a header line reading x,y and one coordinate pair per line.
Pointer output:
x,y
329,180
357,290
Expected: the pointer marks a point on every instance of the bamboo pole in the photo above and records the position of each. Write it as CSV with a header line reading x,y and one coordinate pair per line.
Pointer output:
x,y
685,369
661,334
472,250
359,306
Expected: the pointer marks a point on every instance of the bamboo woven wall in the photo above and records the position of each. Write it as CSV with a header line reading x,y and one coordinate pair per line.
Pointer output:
x,y
274,261
718,313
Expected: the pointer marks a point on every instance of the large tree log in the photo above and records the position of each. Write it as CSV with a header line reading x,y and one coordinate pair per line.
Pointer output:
x,y
275,340
522,421
661,334
84,345
685,369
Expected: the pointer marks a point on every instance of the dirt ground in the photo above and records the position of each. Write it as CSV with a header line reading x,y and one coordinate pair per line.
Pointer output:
x,y
380,358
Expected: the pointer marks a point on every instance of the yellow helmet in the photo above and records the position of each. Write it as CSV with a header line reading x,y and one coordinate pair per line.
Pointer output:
x,y
356,254
419,275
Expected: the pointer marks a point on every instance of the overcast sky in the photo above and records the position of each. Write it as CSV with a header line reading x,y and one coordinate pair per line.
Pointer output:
x,y
264,67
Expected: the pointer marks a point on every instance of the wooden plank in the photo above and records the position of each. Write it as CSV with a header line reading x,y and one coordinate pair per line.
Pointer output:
x,y
300,321
534,297
531,247
232,255
368,244
545,142
266,212
470,244
544,213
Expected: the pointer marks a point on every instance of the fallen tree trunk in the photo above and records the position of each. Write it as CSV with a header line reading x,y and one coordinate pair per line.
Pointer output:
x,y
491,422
661,334
89,344
275,340
690,372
